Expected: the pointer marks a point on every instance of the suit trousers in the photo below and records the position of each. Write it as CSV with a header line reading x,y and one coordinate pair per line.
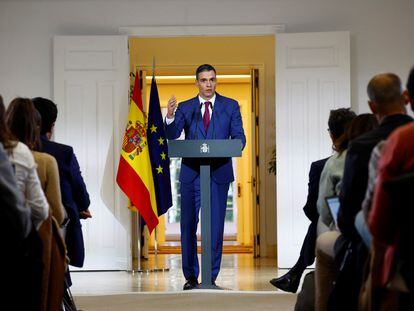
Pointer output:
x,y
307,252
190,208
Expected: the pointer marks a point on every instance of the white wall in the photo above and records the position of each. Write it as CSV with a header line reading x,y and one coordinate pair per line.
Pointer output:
x,y
381,31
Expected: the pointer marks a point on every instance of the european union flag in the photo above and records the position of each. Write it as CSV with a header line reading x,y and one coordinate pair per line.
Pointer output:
x,y
158,148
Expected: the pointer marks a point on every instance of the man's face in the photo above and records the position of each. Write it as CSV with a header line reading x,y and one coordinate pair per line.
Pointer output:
x,y
206,83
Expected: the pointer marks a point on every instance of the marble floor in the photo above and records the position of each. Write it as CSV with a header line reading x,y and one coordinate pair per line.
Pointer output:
x,y
238,272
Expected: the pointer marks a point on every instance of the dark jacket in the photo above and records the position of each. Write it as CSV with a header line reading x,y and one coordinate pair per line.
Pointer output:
x,y
313,189
355,179
307,252
75,197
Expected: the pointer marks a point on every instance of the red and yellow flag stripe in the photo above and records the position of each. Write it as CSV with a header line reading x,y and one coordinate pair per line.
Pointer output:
x,y
134,175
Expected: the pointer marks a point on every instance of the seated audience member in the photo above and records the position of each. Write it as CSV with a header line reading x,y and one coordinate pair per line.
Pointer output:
x,y
24,257
15,229
24,123
75,197
338,123
16,216
330,185
390,219
361,124
26,175
290,281
386,102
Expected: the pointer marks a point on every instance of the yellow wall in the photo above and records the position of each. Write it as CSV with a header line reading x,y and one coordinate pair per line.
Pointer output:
x,y
226,54
229,55
240,90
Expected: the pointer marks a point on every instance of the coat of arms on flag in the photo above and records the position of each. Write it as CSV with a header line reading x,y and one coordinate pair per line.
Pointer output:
x,y
134,139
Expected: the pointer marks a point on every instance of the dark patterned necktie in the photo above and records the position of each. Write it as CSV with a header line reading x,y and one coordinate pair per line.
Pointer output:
x,y
206,117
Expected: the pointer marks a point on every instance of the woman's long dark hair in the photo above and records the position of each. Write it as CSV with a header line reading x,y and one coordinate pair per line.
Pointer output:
x,y
362,124
6,138
21,120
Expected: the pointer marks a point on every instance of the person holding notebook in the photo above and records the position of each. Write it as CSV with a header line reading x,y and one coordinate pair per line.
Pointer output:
x,y
344,126
329,186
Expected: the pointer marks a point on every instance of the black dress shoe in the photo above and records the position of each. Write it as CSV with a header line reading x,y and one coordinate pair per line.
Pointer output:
x,y
288,282
191,283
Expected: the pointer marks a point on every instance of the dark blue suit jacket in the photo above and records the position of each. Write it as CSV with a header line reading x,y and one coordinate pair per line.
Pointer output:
x,y
315,172
75,197
226,123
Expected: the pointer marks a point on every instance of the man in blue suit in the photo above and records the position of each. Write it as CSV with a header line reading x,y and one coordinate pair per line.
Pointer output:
x,y
75,197
206,116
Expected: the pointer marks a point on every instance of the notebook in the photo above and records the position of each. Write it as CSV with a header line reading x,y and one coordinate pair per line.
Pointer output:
x,y
333,207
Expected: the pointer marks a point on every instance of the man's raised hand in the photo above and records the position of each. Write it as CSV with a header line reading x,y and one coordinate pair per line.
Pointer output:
x,y
172,105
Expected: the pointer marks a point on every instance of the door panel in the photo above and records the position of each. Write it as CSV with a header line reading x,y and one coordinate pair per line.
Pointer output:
x,y
91,91
312,77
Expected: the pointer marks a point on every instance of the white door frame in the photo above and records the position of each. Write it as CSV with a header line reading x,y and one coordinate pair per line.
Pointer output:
x,y
189,31
216,30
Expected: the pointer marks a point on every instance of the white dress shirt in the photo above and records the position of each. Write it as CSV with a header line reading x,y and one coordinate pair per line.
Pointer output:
x,y
203,107
28,182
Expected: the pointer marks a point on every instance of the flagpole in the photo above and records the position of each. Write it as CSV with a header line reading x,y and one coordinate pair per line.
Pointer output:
x,y
156,268
137,245
138,266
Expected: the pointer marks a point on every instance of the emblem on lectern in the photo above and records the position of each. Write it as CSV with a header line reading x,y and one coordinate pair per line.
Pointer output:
x,y
204,148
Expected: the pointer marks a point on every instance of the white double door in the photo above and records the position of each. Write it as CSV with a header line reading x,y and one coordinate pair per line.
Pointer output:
x,y
91,83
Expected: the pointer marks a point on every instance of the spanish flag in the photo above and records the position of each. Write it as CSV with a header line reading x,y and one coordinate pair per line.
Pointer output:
x,y
134,175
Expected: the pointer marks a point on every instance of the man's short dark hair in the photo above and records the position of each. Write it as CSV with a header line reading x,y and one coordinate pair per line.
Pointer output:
x,y
410,83
205,67
48,111
384,89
